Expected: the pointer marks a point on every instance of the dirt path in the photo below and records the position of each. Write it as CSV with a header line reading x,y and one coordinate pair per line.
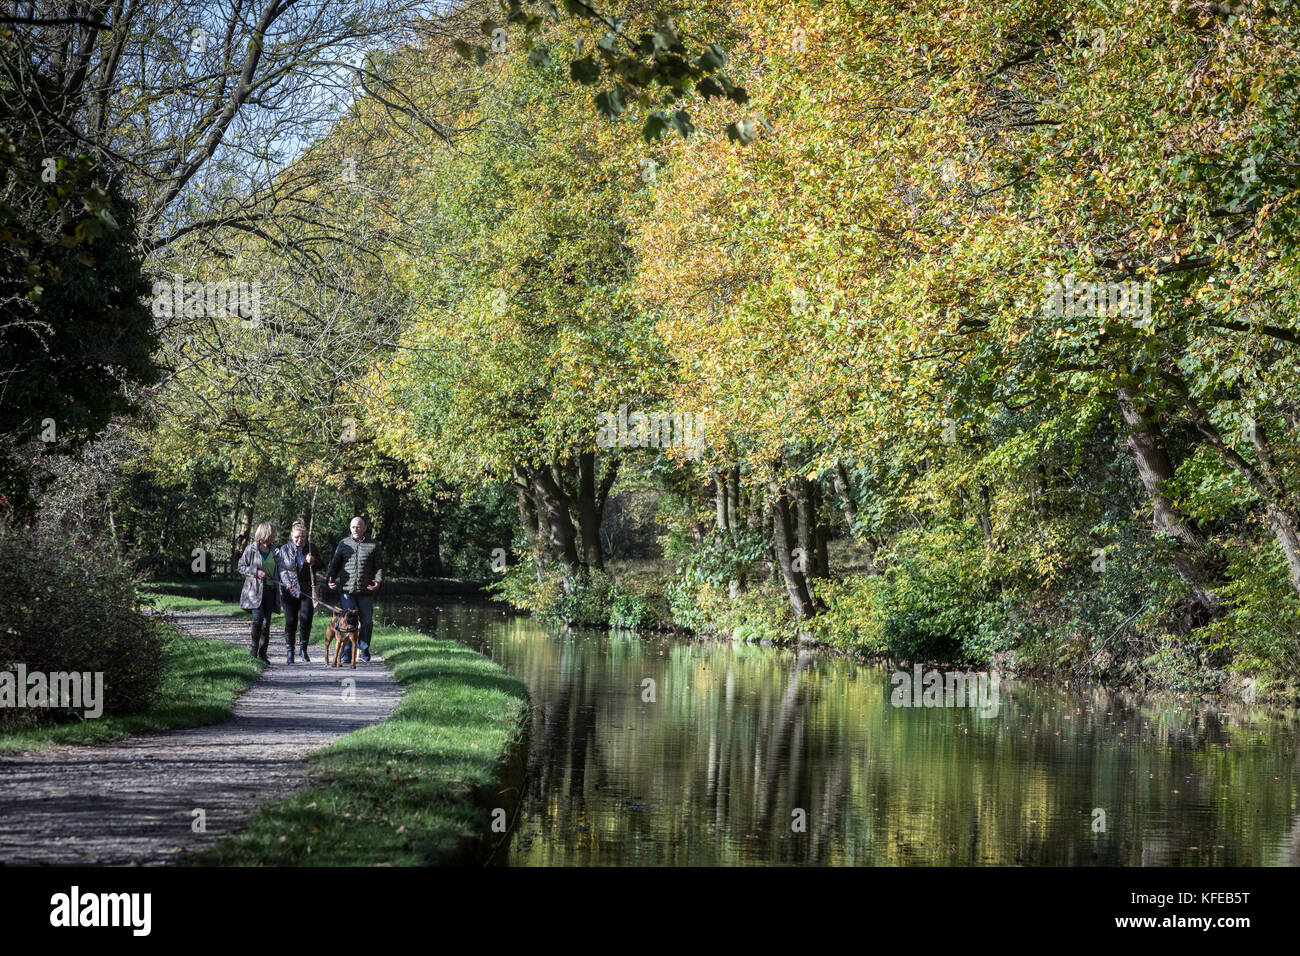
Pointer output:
x,y
132,801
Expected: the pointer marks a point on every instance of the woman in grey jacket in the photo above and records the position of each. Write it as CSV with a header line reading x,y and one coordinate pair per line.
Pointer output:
x,y
260,567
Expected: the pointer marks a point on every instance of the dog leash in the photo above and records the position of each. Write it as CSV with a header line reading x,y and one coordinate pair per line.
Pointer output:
x,y
315,602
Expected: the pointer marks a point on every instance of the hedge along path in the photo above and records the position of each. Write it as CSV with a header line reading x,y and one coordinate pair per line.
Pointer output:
x,y
132,802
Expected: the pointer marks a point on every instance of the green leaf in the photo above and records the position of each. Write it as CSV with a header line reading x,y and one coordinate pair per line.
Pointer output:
x,y
681,122
741,131
708,88
95,199
656,124
585,71
539,57
610,103
713,58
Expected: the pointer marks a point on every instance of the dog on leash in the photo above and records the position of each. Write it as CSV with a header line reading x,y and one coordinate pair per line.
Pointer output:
x,y
345,627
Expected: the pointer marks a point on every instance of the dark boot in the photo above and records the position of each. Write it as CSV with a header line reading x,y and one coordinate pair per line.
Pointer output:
x,y
289,657
255,636
303,652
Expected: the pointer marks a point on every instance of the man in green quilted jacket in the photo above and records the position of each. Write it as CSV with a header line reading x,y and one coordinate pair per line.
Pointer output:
x,y
357,571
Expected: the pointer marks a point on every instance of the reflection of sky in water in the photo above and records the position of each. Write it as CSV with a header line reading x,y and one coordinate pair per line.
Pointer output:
x,y
743,744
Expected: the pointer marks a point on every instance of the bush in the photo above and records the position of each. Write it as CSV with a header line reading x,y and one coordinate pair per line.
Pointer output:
x,y
853,616
752,615
74,609
937,599
592,598
1260,631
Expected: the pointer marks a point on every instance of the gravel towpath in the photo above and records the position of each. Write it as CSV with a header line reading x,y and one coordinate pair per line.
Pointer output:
x,y
132,802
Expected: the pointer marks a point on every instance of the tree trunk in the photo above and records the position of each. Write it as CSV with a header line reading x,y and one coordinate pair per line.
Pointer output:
x,y
805,511
822,535
812,539
721,501
235,551
593,552
1145,444
553,511
983,516
844,490
1283,520
769,535
1287,530
726,496
783,545
245,529
1265,479
733,498
530,517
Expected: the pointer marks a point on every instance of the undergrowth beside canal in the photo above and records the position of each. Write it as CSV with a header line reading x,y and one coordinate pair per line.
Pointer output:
x,y
1120,626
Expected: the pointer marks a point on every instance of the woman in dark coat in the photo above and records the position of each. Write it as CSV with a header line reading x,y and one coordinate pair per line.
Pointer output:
x,y
299,562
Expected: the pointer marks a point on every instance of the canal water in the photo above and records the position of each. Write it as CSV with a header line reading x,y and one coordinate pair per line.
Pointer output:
x,y
740,754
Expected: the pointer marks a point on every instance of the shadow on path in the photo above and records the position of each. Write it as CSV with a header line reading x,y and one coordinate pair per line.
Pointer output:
x,y
132,802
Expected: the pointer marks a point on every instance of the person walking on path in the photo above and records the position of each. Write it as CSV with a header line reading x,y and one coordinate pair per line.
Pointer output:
x,y
299,560
358,571
260,566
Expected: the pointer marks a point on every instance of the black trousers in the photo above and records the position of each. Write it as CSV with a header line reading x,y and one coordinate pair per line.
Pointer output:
x,y
261,634
298,613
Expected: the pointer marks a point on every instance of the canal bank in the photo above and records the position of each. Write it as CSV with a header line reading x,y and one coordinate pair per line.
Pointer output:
x,y
429,786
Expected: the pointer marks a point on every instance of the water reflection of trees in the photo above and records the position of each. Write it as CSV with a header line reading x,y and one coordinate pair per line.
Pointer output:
x,y
740,737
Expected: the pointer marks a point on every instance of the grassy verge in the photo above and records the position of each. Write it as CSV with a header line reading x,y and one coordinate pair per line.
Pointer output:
x,y
194,602
418,789
202,680
222,590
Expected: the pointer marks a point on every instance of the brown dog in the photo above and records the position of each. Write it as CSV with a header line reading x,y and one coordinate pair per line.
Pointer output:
x,y
346,628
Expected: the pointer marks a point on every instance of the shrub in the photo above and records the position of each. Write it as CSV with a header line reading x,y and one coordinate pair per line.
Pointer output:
x,y
937,599
522,587
1260,630
74,608
853,616
592,597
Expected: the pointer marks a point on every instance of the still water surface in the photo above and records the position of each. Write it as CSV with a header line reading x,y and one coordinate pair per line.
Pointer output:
x,y
744,743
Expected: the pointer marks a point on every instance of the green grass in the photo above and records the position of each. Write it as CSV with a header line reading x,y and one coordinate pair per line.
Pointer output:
x,y
418,789
223,589
190,602
202,680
